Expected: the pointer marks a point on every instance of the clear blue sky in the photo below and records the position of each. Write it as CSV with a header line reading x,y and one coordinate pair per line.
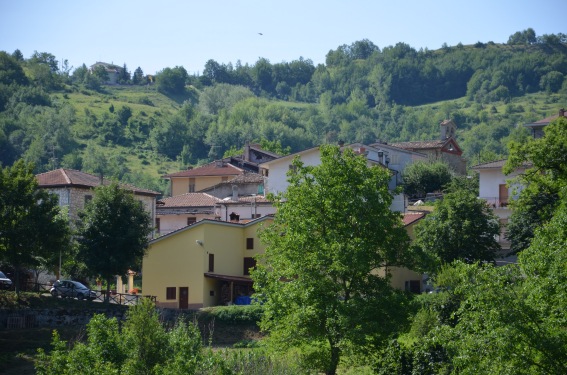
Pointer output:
x,y
167,33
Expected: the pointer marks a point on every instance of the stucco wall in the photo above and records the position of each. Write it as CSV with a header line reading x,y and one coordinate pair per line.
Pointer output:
x,y
180,185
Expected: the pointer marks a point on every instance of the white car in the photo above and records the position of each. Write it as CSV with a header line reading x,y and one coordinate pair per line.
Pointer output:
x,y
5,283
72,289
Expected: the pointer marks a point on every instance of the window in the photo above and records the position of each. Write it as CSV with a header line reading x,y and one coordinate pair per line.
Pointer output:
x,y
249,262
158,224
88,198
170,292
211,262
249,243
191,185
191,220
212,293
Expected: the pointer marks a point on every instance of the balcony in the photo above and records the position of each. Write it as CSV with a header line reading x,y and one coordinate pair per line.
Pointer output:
x,y
497,202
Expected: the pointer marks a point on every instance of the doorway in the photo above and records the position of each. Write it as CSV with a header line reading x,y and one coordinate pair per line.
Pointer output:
x,y
183,297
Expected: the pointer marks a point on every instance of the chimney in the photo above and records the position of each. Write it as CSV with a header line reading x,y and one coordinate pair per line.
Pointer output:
x,y
246,155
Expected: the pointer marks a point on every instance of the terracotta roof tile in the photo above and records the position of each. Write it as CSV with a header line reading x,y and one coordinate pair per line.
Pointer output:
x,y
70,177
189,200
412,217
419,145
211,169
498,164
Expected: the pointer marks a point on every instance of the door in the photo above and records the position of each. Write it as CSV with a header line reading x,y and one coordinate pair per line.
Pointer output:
x,y
184,297
503,195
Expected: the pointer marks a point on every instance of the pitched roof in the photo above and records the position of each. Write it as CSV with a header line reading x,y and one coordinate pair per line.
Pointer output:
x,y
412,217
490,165
547,120
207,170
214,222
189,200
419,145
497,164
245,178
72,178
206,200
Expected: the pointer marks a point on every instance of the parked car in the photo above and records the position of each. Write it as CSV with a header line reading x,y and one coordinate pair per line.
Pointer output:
x,y
72,289
5,282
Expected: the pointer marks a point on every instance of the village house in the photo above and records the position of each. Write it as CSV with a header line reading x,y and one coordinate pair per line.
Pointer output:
x,y
208,264
203,178
382,155
75,189
176,212
113,72
536,128
445,148
205,264
498,189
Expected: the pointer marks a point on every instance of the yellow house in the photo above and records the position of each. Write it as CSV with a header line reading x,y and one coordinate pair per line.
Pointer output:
x,y
204,264
196,179
403,278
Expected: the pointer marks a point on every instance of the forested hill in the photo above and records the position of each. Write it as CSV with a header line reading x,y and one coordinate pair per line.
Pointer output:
x,y
145,126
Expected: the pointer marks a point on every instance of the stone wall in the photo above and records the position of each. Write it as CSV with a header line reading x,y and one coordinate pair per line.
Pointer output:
x,y
53,318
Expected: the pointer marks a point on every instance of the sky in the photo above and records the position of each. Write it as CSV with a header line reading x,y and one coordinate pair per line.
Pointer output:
x,y
154,35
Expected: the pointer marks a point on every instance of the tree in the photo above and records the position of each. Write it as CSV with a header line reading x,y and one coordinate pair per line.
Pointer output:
x,y
461,227
32,230
422,177
124,77
317,280
112,233
142,346
172,80
101,73
547,158
138,76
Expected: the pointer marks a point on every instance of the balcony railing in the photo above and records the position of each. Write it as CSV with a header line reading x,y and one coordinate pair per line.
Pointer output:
x,y
497,202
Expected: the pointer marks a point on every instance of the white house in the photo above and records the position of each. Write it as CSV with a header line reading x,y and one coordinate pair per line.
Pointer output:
x,y
498,190
393,158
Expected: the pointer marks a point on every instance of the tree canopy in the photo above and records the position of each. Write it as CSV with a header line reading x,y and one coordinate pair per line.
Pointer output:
x,y
318,279
422,177
32,230
113,233
461,227
546,173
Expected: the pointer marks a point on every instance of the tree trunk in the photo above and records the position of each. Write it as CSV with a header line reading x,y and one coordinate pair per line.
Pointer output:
x,y
334,363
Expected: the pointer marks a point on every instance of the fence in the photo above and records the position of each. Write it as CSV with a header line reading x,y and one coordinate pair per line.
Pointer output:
x,y
98,296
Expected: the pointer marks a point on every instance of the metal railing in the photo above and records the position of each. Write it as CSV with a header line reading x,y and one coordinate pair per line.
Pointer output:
x,y
497,202
99,295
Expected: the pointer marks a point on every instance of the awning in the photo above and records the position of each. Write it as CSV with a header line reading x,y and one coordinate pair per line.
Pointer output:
x,y
236,279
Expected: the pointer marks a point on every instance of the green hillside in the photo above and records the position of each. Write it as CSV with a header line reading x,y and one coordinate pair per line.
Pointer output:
x,y
147,126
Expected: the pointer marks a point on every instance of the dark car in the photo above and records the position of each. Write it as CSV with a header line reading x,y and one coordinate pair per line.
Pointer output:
x,y
71,289
5,282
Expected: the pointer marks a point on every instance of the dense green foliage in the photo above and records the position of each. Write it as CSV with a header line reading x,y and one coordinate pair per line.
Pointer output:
x,y
462,227
546,174
32,231
318,280
113,233
142,345
51,114
422,177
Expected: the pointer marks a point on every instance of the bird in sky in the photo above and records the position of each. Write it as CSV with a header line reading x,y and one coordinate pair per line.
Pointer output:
x,y
260,34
